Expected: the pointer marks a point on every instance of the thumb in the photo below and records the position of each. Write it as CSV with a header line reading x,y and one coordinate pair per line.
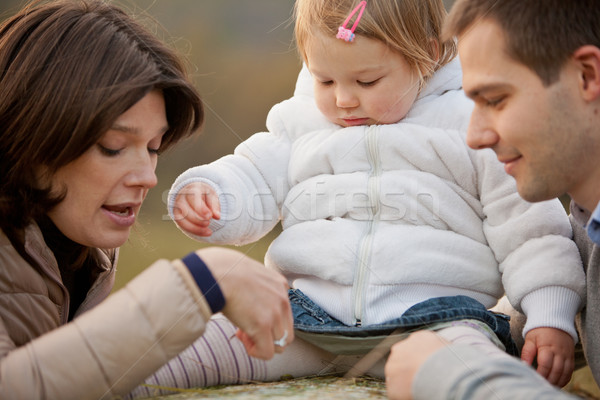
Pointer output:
x,y
529,351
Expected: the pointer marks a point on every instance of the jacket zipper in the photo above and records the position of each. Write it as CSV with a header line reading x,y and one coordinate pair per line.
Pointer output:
x,y
365,246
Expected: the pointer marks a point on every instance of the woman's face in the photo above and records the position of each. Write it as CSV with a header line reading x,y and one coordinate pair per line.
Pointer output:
x,y
105,186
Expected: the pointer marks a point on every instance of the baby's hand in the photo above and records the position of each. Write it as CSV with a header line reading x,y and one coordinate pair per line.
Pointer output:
x,y
195,205
555,352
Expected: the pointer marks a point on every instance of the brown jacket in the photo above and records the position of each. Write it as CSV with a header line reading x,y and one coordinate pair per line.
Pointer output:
x,y
113,343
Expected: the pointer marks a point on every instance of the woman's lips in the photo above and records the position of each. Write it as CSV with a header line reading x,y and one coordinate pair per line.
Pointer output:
x,y
121,215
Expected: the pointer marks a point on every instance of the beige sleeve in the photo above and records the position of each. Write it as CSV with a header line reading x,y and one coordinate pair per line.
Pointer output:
x,y
110,349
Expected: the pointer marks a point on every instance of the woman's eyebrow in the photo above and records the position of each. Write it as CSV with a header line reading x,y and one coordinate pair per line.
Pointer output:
x,y
132,129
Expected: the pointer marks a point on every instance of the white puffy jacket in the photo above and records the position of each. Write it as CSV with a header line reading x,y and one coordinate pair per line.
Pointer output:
x,y
378,218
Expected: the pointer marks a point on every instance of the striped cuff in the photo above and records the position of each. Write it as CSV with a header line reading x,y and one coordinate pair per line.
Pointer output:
x,y
205,281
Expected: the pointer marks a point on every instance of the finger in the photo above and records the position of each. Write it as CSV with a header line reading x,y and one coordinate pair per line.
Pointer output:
x,y
212,202
192,218
528,352
567,372
180,208
283,323
194,229
287,318
555,372
263,347
184,211
281,341
281,329
188,219
262,339
198,202
287,322
545,361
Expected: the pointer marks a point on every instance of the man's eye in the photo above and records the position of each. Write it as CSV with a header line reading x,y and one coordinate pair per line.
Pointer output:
x,y
494,102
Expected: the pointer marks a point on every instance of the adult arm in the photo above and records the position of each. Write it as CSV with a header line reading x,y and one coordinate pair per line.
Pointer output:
x,y
110,349
425,367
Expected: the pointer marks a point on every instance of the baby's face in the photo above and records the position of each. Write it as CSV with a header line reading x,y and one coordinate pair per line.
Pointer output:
x,y
361,82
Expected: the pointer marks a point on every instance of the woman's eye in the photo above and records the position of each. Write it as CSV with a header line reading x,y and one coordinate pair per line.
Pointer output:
x,y
108,152
154,151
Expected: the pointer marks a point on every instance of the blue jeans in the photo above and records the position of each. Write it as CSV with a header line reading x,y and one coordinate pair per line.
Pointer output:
x,y
309,317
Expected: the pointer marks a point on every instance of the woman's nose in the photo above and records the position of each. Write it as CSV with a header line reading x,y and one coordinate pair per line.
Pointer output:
x,y
143,173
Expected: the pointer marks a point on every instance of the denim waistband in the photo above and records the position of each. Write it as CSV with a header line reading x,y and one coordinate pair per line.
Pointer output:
x,y
309,317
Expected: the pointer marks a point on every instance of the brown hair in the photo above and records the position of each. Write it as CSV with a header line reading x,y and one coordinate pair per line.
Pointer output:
x,y
68,70
540,34
406,26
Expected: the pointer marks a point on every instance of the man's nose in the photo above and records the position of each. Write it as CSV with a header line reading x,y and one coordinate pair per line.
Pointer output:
x,y
480,134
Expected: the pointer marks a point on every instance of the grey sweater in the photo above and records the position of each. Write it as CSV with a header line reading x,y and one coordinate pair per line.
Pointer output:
x,y
588,320
460,372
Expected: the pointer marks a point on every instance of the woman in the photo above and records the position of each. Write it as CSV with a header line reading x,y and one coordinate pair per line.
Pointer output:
x,y
89,99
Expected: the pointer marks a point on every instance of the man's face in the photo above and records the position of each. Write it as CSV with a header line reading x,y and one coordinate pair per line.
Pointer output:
x,y
538,132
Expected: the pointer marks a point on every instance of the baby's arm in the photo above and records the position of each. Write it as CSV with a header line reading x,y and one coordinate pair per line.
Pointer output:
x,y
195,205
555,351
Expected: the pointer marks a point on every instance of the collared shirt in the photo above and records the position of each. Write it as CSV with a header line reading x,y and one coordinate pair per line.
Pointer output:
x,y
593,226
590,221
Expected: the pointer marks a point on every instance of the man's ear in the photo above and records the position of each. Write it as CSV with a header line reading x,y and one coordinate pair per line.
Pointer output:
x,y
588,59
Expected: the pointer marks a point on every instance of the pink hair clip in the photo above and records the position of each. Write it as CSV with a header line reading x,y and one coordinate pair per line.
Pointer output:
x,y
348,34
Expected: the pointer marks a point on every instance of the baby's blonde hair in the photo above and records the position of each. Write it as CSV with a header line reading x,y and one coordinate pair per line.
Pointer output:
x,y
410,27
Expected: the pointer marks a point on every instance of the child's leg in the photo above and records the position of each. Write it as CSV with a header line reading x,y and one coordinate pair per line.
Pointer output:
x,y
217,359
475,336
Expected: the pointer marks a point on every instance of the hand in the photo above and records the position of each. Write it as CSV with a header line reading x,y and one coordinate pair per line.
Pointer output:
x,y
555,352
195,205
406,357
256,300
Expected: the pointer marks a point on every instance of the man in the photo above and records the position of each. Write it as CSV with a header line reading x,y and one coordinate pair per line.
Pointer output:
x,y
532,68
